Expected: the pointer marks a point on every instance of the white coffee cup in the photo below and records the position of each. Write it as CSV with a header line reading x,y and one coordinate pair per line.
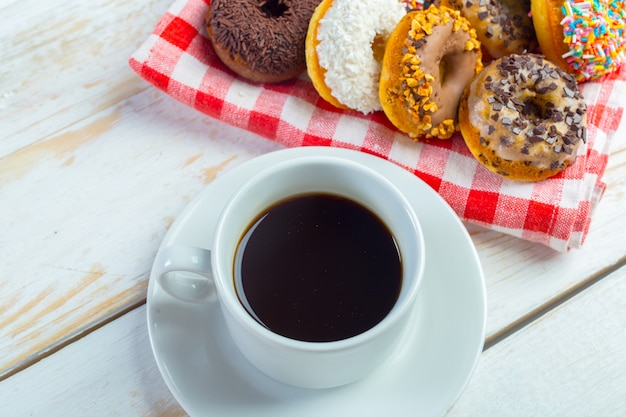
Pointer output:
x,y
296,362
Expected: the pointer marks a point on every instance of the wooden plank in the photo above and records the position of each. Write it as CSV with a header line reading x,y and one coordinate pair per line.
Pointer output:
x,y
110,372
84,211
523,277
95,165
571,362
65,60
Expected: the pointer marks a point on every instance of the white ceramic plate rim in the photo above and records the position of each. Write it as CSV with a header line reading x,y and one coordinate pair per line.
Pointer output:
x,y
427,373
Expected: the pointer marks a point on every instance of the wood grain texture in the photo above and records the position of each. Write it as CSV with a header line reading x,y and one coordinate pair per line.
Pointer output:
x,y
570,362
523,277
82,224
63,61
95,165
108,373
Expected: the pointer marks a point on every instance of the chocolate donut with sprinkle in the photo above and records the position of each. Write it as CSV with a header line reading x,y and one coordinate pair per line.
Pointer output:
x,y
523,118
262,41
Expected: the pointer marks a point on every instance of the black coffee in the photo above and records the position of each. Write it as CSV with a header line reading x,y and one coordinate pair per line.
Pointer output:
x,y
318,268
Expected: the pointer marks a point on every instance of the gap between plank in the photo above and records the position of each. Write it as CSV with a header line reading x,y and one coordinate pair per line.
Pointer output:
x,y
552,304
79,334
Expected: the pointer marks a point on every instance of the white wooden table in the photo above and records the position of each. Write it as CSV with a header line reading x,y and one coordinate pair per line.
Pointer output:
x,y
94,167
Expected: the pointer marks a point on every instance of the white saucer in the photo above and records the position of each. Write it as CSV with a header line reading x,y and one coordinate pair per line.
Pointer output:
x,y
209,377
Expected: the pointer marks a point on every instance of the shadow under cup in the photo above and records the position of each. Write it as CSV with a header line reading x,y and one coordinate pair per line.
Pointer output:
x,y
318,364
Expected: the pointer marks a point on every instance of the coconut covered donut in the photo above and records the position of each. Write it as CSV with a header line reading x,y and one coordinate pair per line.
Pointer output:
x,y
585,38
344,47
429,59
503,27
523,118
262,41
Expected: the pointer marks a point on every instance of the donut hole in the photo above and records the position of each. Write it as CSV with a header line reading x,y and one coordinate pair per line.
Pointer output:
x,y
274,8
378,47
534,109
537,109
453,74
444,69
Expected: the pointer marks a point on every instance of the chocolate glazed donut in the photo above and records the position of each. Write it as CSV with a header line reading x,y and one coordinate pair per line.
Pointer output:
x,y
261,40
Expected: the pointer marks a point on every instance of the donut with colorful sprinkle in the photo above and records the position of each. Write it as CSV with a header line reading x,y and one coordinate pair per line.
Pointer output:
x,y
584,37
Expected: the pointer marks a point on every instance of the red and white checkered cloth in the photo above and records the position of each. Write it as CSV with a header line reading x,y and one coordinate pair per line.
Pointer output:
x,y
178,59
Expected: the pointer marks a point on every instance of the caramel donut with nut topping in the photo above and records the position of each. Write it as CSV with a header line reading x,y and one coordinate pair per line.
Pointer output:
x,y
523,118
430,57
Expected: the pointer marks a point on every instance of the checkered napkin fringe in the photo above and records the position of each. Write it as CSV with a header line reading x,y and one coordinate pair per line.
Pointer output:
x,y
178,59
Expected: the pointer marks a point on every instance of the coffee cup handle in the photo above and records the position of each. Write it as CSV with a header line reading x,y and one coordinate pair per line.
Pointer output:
x,y
185,273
